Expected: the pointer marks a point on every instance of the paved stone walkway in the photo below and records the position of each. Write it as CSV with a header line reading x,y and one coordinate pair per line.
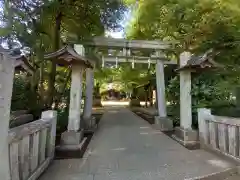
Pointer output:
x,y
127,148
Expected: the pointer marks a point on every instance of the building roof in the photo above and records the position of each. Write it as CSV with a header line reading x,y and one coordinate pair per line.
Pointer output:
x,y
23,63
67,55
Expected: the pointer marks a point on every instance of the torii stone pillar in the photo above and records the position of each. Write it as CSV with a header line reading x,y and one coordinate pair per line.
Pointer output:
x,y
160,82
185,93
6,85
88,103
161,121
73,135
75,98
185,134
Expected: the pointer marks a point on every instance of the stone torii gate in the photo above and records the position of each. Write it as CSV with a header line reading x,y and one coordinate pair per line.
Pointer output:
x,y
109,50
118,51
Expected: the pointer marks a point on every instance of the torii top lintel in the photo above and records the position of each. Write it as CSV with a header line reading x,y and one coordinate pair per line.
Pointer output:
x,y
129,44
68,56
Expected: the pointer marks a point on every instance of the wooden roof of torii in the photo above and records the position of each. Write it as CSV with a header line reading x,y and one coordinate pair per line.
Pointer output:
x,y
68,56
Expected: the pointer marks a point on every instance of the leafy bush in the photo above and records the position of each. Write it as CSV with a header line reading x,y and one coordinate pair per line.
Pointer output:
x,y
23,98
173,111
227,111
206,91
21,93
62,120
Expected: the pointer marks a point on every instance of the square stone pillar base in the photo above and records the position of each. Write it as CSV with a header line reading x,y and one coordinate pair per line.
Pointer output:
x,y
134,103
97,102
187,137
71,138
163,123
71,146
90,123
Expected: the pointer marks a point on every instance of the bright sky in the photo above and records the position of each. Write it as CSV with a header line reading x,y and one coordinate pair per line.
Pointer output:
x,y
124,22
116,34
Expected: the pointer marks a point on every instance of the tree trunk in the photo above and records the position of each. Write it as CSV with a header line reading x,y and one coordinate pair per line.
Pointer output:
x,y
41,82
52,75
151,95
34,83
60,94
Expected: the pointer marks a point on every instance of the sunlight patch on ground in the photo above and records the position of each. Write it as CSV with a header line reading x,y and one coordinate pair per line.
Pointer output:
x,y
144,133
145,127
119,149
218,163
123,103
150,133
119,103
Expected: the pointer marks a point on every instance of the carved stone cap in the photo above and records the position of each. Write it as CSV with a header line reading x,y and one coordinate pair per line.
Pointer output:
x,y
203,61
68,56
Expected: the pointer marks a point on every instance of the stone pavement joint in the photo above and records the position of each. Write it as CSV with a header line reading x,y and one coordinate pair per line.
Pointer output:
x,y
126,147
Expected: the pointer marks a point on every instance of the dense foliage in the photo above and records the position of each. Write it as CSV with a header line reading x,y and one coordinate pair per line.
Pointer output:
x,y
39,26
196,26
36,27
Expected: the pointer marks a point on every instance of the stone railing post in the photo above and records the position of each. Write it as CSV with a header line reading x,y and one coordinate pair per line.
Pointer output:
x,y
6,85
51,116
203,115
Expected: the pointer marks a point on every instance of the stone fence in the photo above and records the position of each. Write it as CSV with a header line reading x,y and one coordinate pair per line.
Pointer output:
x,y
31,147
219,133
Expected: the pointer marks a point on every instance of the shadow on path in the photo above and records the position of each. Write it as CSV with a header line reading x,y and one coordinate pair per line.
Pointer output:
x,y
126,147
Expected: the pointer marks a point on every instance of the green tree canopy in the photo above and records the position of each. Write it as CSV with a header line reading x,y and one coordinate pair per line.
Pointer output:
x,y
40,26
197,25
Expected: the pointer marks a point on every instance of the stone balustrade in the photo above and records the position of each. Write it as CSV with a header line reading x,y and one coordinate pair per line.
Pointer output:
x,y
31,147
219,133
